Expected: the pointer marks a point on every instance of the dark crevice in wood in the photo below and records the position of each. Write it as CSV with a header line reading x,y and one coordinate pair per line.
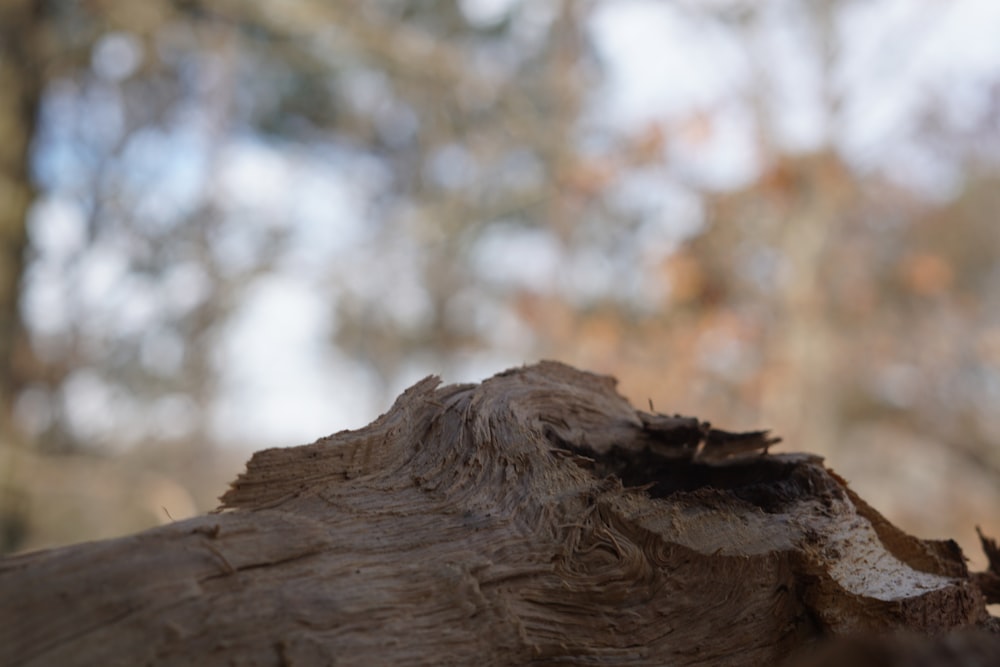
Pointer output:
x,y
770,484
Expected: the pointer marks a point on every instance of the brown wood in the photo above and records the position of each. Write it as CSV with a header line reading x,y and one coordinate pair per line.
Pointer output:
x,y
534,518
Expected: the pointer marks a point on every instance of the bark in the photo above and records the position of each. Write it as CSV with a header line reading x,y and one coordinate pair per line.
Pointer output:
x,y
536,518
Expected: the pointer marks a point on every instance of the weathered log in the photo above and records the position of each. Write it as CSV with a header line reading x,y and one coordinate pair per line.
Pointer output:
x,y
534,518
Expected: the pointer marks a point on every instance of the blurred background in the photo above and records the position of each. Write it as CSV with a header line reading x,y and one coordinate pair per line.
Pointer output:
x,y
237,224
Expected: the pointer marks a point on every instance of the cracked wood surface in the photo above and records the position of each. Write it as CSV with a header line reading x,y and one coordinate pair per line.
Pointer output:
x,y
535,518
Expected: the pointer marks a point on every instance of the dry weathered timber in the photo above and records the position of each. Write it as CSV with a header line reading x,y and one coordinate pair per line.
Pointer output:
x,y
536,518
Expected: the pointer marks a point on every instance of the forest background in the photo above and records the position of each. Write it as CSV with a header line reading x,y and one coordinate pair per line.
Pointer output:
x,y
236,224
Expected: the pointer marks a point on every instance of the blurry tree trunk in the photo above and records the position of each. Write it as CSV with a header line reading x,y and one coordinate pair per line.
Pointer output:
x,y
804,341
21,84
20,91
534,518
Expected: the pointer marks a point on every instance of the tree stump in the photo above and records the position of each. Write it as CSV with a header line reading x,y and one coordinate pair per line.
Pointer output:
x,y
535,518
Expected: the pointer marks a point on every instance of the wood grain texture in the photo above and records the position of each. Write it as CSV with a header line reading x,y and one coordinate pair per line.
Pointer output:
x,y
535,518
